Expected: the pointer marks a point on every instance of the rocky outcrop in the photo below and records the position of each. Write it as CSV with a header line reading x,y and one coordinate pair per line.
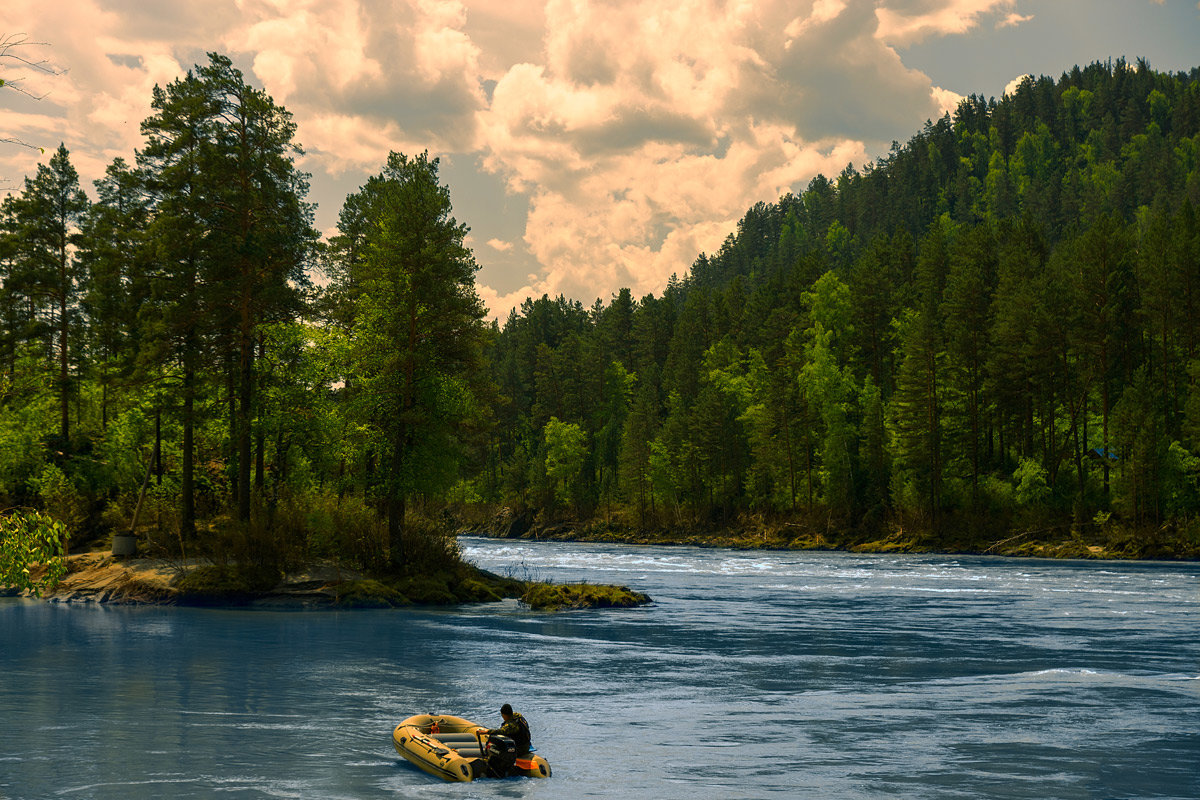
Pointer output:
x,y
509,524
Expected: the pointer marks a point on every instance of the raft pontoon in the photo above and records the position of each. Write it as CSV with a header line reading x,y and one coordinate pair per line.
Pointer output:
x,y
457,749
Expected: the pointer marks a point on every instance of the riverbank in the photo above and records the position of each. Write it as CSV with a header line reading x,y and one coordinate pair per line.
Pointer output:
x,y
1104,541
98,577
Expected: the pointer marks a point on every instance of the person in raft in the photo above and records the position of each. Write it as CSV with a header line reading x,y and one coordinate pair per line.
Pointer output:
x,y
515,727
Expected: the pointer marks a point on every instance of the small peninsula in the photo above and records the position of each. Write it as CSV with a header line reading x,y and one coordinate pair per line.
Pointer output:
x,y
99,577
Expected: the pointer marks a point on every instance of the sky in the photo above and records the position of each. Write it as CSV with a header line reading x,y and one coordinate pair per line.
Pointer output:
x,y
590,145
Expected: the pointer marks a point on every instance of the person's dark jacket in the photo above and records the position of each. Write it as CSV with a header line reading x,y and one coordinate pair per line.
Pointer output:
x,y
517,729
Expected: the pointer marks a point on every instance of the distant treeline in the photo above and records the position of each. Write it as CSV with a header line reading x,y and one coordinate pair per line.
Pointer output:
x,y
999,321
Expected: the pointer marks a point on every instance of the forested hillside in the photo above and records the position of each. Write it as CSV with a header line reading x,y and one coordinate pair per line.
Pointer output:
x,y
993,330
994,327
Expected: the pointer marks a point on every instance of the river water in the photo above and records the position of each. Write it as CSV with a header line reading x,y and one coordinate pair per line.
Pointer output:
x,y
753,675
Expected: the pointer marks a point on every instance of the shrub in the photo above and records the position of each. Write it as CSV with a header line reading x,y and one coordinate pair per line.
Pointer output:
x,y
1031,486
369,593
227,582
430,590
28,538
22,454
122,451
344,529
474,591
60,498
430,548
546,596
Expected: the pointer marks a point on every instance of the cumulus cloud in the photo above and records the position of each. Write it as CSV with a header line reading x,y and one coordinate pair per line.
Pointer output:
x,y
1012,85
366,76
904,22
639,132
947,101
1013,20
100,93
642,137
362,77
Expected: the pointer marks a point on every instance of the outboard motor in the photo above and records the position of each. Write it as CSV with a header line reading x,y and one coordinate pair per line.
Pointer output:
x,y
500,755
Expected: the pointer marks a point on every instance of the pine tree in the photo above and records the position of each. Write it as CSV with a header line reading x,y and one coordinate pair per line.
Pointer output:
x,y
261,227
117,260
49,213
179,139
967,307
416,330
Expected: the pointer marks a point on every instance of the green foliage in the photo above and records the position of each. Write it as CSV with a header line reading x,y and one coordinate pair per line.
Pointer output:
x,y
998,320
225,583
1181,481
1030,481
566,450
404,288
22,448
29,539
831,391
551,597
895,345
122,450
61,499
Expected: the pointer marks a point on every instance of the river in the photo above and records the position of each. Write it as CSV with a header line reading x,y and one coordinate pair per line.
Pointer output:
x,y
753,675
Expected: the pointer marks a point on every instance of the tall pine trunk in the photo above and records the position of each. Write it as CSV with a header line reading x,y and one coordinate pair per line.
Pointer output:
x,y
187,484
396,505
64,375
245,415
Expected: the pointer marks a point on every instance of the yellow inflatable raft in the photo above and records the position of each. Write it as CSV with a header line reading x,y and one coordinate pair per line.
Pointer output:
x,y
457,749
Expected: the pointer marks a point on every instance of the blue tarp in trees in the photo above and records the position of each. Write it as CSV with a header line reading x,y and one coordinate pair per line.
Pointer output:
x,y
1103,454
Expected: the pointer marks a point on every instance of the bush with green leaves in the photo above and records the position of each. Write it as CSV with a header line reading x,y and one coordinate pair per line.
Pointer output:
x,y
1030,479
22,452
29,539
60,497
124,450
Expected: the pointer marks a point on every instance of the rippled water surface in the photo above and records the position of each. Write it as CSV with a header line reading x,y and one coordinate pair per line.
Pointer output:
x,y
753,675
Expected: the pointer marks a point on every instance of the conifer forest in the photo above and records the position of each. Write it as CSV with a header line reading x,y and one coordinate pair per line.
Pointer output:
x,y
993,331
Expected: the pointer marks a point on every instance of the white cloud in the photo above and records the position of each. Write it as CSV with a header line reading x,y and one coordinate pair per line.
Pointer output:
x,y
1013,20
642,137
946,100
1012,85
823,11
904,22
99,97
363,77
640,132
